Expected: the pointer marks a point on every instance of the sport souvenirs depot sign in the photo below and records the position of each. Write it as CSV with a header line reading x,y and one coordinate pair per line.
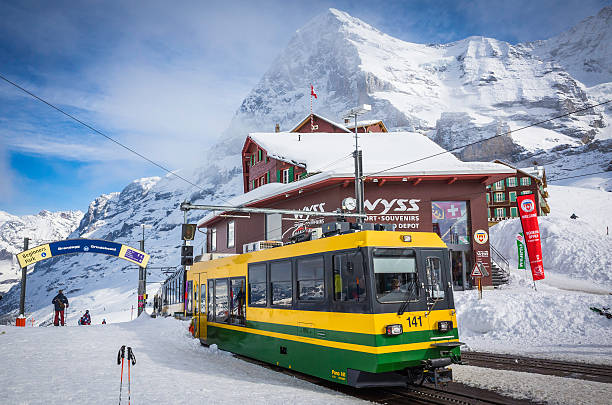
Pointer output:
x,y
63,247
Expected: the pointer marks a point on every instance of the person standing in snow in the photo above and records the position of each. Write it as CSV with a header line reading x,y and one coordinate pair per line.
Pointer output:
x,y
86,318
104,321
61,303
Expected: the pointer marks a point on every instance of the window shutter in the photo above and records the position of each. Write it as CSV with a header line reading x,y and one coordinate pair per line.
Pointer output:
x,y
267,177
291,178
259,157
278,176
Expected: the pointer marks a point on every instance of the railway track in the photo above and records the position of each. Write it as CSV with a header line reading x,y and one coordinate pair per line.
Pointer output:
x,y
582,371
450,394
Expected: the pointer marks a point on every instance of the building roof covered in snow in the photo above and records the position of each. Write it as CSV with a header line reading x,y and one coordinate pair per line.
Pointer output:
x,y
396,153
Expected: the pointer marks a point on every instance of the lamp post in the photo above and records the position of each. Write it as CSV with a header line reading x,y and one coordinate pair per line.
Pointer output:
x,y
357,155
142,277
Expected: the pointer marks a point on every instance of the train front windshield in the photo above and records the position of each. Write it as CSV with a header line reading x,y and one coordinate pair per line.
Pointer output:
x,y
395,272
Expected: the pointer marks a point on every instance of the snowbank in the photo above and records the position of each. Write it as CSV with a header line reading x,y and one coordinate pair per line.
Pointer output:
x,y
571,248
549,322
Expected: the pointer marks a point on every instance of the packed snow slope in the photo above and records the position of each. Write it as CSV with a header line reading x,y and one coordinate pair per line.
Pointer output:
x,y
455,93
78,364
555,320
40,228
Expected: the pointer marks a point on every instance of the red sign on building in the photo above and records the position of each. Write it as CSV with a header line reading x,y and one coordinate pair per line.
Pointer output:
x,y
531,229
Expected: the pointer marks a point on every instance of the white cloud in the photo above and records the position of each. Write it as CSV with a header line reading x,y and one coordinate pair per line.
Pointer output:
x,y
7,177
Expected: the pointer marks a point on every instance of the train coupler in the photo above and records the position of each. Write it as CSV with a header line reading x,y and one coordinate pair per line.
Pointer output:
x,y
435,371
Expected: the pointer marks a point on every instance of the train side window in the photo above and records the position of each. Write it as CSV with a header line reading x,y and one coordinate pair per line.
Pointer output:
x,y
237,300
257,285
203,298
221,301
189,297
310,281
349,284
211,301
433,270
196,301
281,283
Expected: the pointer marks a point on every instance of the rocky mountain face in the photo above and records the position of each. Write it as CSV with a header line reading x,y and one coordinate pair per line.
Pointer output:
x,y
455,93
40,228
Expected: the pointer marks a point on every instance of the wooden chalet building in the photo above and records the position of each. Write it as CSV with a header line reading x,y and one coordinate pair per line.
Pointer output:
x,y
259,168
307,169
501,195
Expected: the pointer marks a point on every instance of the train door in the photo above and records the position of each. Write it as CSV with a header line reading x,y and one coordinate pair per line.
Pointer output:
x,y
202,308
438,281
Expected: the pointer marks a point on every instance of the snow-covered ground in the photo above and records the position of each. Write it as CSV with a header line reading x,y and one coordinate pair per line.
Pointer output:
x,y
78,364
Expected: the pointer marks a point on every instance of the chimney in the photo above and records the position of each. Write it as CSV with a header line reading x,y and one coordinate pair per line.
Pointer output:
x,y
277,128
347,121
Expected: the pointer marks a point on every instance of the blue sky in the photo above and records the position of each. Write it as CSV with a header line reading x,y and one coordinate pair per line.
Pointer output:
x,y
166,77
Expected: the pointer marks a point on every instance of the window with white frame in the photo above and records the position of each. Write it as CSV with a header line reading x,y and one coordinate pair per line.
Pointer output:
x,y
525,181
500,212
512,196
499,197
213,239
513,212
286,176
499,185
230,234
511,181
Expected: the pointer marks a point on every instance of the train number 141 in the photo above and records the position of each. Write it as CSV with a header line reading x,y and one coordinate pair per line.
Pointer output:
x,y
415,321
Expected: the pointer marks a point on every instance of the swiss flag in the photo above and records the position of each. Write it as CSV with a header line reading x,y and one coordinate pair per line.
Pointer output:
x,y
312,93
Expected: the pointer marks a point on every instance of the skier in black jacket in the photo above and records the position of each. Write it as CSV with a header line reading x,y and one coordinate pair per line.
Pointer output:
x,y
61,303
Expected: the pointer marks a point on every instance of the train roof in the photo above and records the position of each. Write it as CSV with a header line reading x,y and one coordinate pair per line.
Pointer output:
x,y
332,243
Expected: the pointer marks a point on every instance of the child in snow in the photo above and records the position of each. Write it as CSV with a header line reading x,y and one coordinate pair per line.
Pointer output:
x,y
86,319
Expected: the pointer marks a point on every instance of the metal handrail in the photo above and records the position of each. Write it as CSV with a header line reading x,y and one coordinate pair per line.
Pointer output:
x,y
501,261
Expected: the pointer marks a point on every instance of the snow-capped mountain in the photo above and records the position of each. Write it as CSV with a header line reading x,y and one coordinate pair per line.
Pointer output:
x,y
455,93
585,51
40,228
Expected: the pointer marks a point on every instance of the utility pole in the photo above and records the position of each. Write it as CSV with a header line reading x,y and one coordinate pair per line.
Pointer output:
x,y
185,269
357,155
142,279
24,271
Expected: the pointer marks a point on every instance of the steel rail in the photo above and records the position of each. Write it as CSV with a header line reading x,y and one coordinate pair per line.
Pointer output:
x,y
584,371
185,206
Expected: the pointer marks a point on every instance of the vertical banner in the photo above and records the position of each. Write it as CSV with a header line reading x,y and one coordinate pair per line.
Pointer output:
x,y
529,220
520,245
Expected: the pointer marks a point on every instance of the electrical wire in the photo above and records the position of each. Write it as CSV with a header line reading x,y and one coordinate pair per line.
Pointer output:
x,y
580,175
486,139
98,132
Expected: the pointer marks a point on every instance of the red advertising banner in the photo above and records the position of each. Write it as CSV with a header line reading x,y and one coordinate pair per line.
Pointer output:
x,y
529,220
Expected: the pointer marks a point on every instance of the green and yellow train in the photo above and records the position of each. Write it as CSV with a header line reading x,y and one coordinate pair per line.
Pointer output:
x,y
369,308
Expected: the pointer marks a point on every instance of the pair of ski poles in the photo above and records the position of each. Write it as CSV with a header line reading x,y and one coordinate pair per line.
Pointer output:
x,y
130,359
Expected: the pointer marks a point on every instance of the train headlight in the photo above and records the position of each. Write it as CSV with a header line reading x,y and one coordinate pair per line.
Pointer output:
x,y
445,326
394,330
